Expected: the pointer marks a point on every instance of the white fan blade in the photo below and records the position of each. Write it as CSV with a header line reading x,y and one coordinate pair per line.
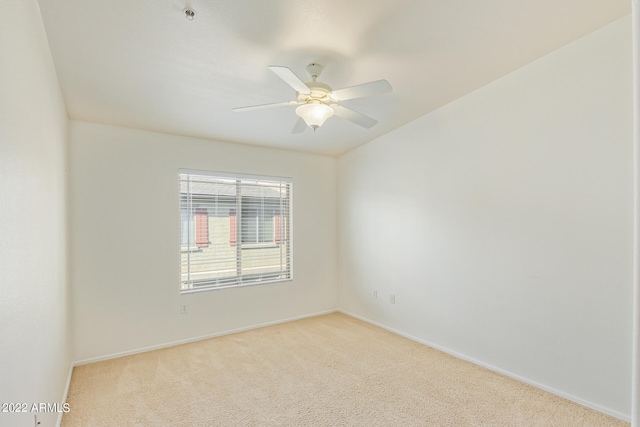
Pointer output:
x,y
299,127
354,116
290,78
358,91
263,106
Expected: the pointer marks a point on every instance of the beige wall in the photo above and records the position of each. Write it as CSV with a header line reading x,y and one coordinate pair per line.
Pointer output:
x,y
35,345
126,249
512,210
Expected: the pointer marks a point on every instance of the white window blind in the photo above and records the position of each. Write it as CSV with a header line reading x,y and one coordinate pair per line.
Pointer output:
x,y
235,230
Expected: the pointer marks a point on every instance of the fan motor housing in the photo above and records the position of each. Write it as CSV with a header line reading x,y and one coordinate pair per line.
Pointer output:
x,y
318,91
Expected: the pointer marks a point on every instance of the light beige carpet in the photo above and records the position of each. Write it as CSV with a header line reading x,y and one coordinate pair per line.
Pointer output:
x,y
329,370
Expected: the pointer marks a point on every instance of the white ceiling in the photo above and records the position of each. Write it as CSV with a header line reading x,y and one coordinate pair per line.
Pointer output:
x,y
142,64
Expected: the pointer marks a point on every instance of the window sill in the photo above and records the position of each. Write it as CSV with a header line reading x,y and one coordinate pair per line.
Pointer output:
x,y
195,289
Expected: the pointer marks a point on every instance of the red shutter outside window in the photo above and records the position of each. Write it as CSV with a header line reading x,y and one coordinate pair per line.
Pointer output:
x,y
232,227
202,228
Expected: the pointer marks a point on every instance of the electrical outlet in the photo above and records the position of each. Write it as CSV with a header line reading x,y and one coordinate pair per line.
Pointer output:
x,y
392,299
375,293
184,309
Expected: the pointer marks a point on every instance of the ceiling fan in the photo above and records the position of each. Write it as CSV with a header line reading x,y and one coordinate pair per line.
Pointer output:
x,y
317,102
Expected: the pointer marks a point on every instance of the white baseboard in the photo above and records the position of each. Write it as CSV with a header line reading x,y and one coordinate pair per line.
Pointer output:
x,y
559,393
194,339
65,395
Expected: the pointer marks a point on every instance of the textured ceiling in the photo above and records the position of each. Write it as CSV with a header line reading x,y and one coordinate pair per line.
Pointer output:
x,y
142,64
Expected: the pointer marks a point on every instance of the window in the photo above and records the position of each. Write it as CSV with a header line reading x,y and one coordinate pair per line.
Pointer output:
x,y
257,222
235,230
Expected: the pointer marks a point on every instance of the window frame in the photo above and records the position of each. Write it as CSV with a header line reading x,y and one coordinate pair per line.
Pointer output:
x,y
284,236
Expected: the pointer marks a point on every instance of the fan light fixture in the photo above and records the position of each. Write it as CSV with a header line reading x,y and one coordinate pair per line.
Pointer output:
x,y
314,114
